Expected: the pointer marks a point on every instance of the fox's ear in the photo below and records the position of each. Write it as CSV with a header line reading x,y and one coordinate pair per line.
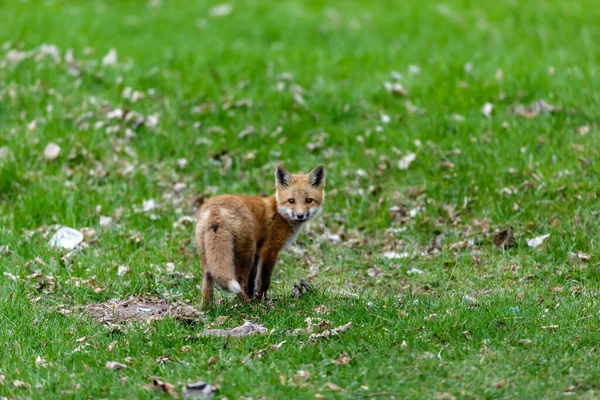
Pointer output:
x,y
317,176
283,177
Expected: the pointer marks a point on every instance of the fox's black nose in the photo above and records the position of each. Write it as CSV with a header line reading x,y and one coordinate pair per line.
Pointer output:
x,y
300,216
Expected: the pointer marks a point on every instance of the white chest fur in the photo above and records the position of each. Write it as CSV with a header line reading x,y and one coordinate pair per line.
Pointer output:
x,y
293,237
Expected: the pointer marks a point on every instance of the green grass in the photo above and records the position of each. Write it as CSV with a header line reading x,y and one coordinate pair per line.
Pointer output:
x,y
511,323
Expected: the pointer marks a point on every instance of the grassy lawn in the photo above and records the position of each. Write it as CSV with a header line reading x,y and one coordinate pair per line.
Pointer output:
x,y
497,104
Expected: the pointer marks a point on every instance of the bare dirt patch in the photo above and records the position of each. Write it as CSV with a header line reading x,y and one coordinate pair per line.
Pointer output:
x,y
138,309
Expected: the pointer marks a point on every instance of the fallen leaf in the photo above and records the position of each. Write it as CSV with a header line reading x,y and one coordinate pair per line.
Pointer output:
x,y
52,151
302,375
213,360
343,328
115,365
183,222
110,58
430,317
342,359
21,385
88,234
322,309
501,383
221,319
395,88
105,221
487,109
536,241
220,10
578,256
405,161
504,238
447,164
532,111
166,387
301,288
148,205
66,238
41,362
582,130
333,387
444,396
163,359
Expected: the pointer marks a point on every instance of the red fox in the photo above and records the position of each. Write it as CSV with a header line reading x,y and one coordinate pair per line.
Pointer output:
x,y
240,237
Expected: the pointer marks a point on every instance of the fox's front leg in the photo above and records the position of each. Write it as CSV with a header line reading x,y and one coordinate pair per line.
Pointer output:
x,y
263,274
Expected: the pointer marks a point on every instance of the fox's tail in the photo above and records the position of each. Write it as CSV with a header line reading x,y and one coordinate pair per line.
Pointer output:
x,y
218,248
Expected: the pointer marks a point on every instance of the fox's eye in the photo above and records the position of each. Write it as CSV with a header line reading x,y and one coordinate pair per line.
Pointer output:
x,y
309,200
291,201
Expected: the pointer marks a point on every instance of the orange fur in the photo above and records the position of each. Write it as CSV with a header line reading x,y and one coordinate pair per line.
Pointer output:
x,y
240,237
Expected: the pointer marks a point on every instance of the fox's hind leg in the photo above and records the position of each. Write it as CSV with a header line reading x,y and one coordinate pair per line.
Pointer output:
x,y
243,272
208,288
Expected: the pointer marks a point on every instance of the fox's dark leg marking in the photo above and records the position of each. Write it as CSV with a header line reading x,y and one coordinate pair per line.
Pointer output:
x,y
208,285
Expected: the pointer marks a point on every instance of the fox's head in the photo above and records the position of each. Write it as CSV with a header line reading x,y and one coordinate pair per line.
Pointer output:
x,y
299,197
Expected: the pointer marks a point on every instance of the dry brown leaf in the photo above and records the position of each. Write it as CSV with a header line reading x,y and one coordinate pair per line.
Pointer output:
x,y
342,359
395,88
111,346
333,387
213,360
166,387
536,108
504,238
447,164
578,256
343,328
115,365
21,385
302,375
41,362
186,348
431,317
163,359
